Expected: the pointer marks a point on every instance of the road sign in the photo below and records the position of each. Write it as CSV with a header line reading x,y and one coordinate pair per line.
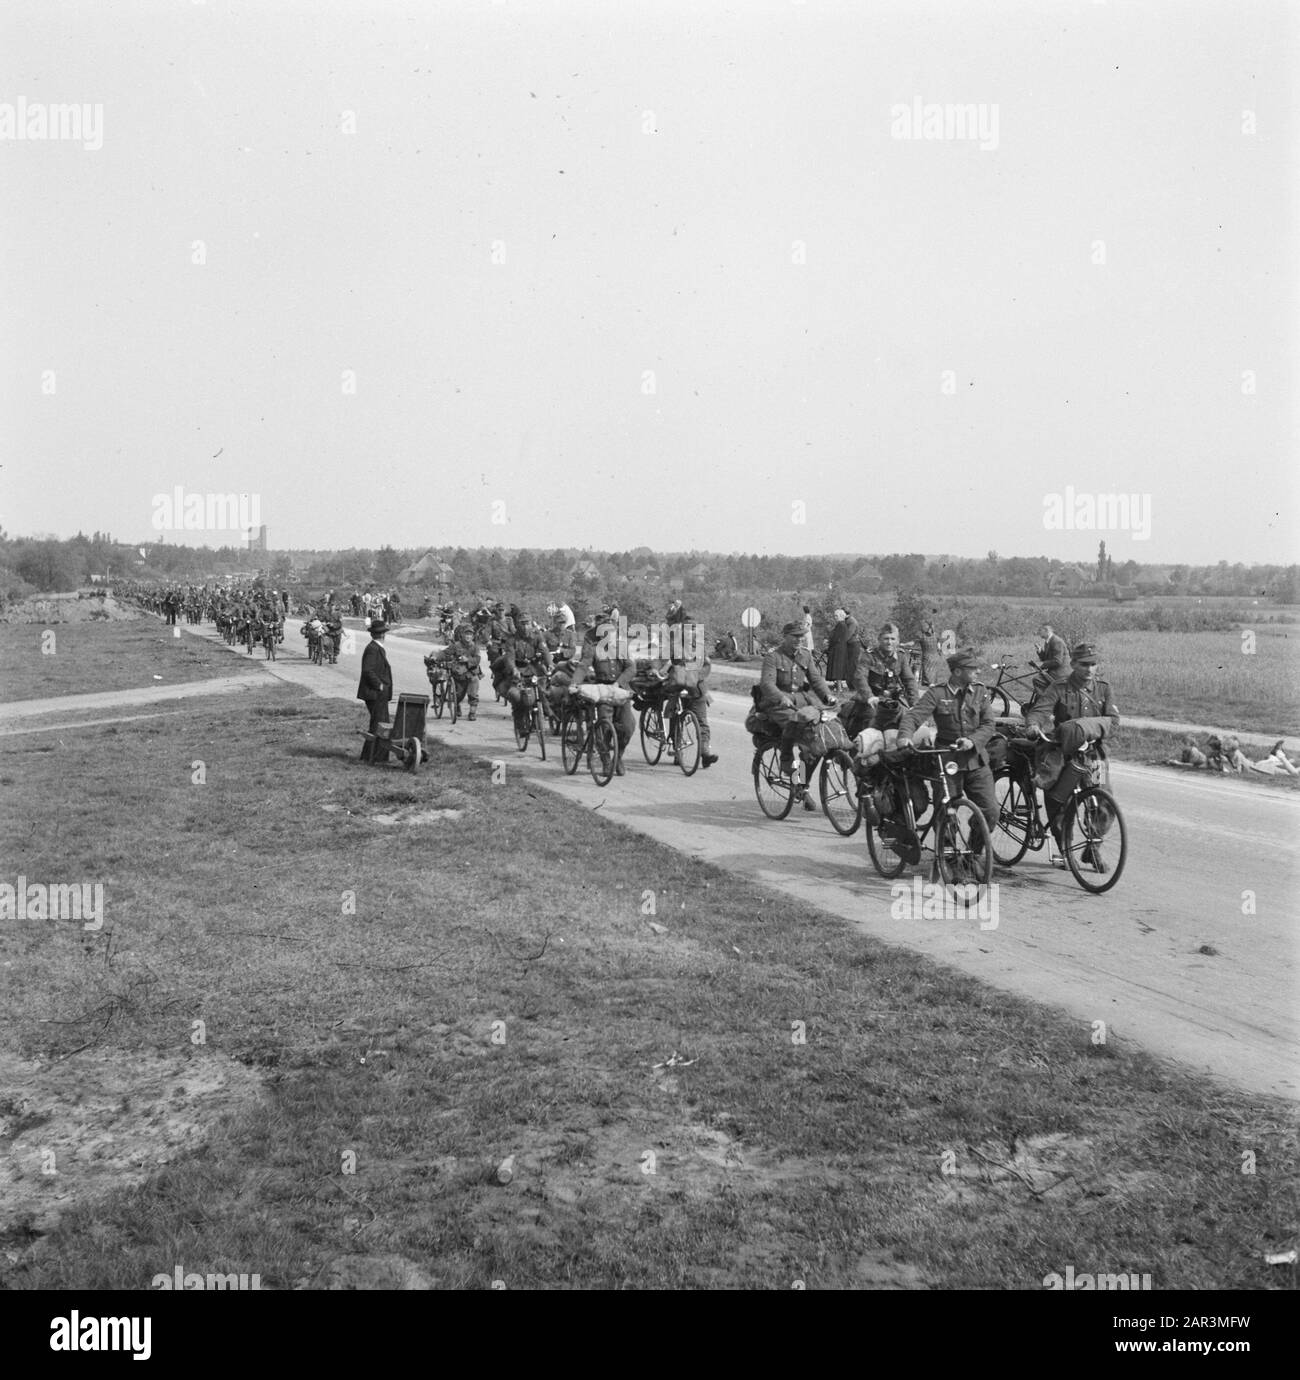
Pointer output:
x,y
751,618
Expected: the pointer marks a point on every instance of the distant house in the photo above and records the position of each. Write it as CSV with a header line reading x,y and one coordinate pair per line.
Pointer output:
x,y
584,570
428,570
1069,579
1154,579
866,579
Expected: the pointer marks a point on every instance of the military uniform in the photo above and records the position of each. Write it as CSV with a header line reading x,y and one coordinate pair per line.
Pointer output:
x,y
524,654
596,666
1091,715
961,712
887,678
461,659
787,682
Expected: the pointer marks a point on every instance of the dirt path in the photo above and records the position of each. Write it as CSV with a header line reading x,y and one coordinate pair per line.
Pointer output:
x,y
117,699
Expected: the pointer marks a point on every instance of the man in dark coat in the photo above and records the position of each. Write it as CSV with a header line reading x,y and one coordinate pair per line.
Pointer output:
x,y
836,652
376,689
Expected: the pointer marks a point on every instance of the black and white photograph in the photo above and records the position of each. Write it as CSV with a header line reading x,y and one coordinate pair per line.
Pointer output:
x,y
650,646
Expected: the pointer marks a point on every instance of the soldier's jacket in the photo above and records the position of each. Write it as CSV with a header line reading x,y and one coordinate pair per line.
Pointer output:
x,y
887,677
522,655
789,675
460,655
1094,710
501,629
957,713
603,670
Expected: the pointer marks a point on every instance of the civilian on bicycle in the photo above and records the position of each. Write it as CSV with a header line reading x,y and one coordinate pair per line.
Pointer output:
x,y
963,716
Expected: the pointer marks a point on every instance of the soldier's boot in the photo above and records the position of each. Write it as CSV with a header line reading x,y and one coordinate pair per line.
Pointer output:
x,y
707,758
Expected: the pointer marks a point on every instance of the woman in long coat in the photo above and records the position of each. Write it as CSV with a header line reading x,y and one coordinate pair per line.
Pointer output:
x,y
852,647
836,652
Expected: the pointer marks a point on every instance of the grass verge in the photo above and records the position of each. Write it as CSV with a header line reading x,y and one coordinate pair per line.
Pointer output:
x,y
83,658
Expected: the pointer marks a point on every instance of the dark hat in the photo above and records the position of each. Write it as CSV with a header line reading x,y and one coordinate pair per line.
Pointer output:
x,y
1085,654
789,628
378,626
964,657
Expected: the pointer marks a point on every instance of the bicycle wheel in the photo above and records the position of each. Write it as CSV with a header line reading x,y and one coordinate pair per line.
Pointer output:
x,y
573,738
451,697
523,730
838,787
686,741
886,855
652,734
1015,820
436,698
539,720
1001,704
603,757
1095,839
775,792
962,847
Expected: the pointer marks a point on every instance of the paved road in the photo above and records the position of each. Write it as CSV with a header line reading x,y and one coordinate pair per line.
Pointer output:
x,y
1168,959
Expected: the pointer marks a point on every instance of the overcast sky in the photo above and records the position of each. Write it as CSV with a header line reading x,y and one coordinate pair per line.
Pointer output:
x,y
503,218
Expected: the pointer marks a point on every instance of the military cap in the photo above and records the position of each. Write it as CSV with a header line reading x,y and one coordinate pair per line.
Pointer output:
x,y
796,628
964,657
1085,654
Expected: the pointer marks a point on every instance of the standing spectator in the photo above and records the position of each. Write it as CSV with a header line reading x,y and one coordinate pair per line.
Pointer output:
x,y
929,651
836,652
807,628
376,690
852,647
1053,658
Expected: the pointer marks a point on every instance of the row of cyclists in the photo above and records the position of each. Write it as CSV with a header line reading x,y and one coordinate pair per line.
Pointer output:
x,y
1070,706
526,658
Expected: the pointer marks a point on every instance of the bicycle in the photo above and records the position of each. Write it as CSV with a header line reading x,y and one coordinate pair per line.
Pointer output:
x,y
1021,682
534,719
1090,820
584,731
442,692
666,722
959,834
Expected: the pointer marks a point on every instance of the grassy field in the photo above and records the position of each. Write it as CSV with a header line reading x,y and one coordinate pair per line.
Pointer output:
x,y
433,974
87,657
1184,677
